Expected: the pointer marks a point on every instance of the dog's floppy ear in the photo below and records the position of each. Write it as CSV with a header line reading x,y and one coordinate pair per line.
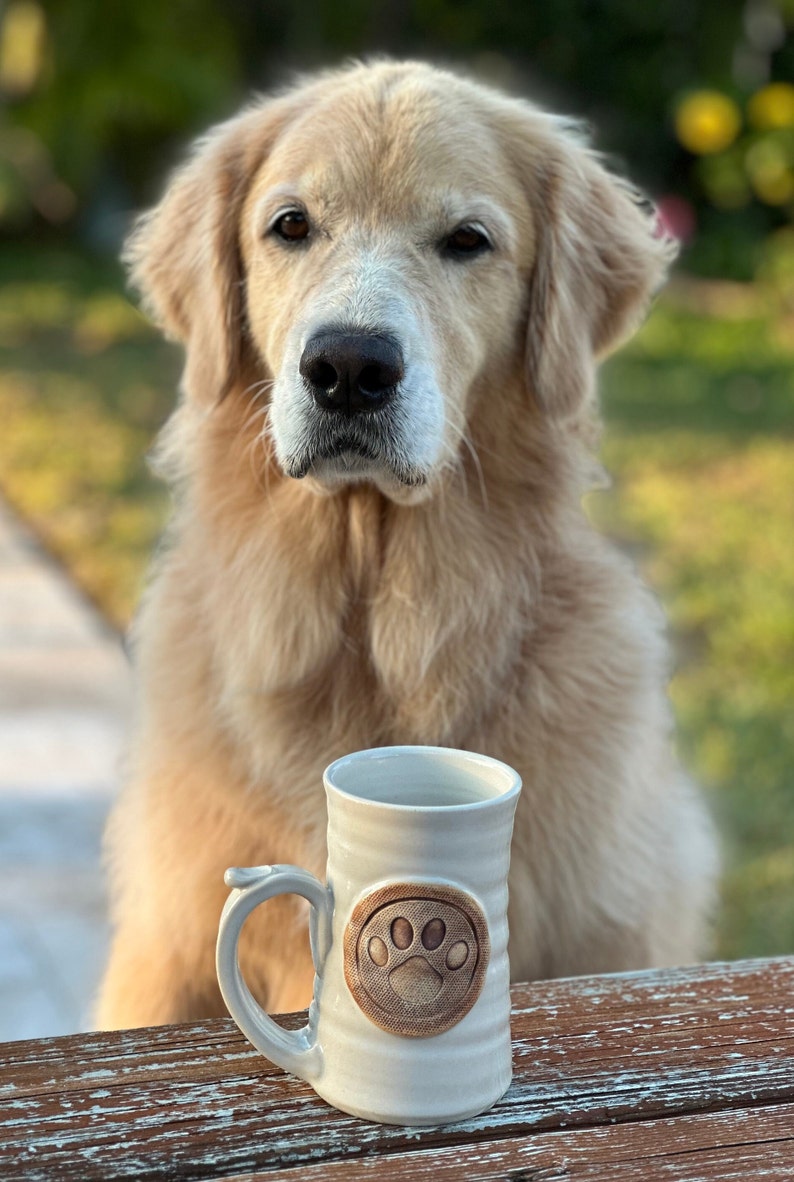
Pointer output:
x,y
184,256
599,259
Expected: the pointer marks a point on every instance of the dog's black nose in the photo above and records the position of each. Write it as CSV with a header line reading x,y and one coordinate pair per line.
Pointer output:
x,y
351,372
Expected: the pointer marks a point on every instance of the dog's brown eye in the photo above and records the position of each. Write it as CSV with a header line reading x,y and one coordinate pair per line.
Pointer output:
x,y
292,226
466,240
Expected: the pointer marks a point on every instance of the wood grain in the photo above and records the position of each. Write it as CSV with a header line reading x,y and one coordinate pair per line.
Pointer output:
x,y
683,1053
745,1144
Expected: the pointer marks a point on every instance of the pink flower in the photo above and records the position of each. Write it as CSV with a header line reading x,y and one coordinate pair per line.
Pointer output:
x,y
676,217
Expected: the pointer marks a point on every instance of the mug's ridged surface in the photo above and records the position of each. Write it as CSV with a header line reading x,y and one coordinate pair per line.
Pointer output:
x,y
372,1072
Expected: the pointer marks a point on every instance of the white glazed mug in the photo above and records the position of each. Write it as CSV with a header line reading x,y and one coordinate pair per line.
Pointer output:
x,y
410,1018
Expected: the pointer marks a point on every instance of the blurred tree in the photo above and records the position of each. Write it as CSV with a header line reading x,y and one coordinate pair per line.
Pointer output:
x,y
99,95
116,83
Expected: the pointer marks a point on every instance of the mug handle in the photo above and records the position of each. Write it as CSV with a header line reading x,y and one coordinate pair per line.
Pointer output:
x,y
295,1050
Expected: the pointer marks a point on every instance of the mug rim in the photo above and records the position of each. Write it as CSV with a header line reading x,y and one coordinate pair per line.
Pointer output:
x,y
513,786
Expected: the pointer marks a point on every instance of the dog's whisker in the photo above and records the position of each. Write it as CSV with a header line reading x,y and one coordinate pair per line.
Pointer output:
x,y
478,468
259,387
260,440
258,390
255,468
263,443
456,462
259,413
453,463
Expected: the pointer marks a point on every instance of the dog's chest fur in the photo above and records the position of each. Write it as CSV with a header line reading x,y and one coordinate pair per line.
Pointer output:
x,y
357,624
311,625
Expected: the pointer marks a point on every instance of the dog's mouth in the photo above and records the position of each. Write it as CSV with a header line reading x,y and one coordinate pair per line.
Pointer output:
x,y
352,451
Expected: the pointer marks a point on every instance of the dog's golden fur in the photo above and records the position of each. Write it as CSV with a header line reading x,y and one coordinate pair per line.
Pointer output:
x,y
290,621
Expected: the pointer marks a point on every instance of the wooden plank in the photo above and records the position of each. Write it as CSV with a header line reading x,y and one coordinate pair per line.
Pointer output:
x,y
197,1102
754,1143
209,1049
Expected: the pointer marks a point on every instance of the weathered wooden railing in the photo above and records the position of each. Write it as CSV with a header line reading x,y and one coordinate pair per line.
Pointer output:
x,y
678,1074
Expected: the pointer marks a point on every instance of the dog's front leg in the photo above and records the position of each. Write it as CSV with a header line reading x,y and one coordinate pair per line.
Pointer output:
x,y
146,984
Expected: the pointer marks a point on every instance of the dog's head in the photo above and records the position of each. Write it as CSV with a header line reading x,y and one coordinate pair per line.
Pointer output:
x,y
385,250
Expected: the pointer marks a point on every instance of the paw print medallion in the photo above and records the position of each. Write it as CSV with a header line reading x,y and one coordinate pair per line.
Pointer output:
x,y
415,957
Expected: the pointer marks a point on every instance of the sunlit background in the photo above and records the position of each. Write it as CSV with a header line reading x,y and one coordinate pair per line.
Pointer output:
x,y
693,99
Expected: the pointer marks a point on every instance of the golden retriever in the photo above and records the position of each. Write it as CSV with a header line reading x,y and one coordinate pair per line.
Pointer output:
x,y
392,285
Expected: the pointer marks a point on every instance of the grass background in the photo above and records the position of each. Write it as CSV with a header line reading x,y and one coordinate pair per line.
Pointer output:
x,y
700,444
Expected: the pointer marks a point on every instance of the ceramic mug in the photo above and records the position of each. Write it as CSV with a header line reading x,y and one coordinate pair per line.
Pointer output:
x,y
410,1018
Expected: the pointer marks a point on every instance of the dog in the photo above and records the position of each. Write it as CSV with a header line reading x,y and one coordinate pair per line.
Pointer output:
x,y
393,285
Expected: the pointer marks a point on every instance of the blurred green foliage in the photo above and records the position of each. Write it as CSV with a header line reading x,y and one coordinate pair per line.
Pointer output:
x,y
100,97
700,440
84,385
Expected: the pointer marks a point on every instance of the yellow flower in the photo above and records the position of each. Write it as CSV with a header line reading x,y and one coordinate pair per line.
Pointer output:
x,y
707,121
771,174
22,36
773,106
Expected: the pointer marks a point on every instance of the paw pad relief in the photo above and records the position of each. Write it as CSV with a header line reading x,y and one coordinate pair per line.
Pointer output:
x,y
415,956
